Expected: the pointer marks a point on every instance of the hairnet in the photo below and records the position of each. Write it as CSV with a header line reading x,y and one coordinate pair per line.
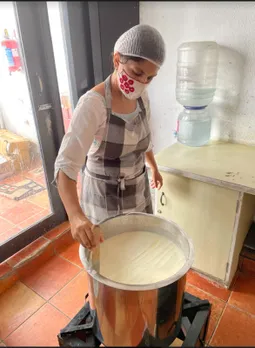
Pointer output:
x,y
142,41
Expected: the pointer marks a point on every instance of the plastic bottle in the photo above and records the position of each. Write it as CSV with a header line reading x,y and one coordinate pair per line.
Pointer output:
x,y
194,126
195,87
196,73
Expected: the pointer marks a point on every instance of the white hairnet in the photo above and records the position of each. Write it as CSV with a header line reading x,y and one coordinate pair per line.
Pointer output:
x,y
142,41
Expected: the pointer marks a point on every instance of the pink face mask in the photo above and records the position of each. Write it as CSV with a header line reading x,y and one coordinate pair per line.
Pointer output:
x,y
132,89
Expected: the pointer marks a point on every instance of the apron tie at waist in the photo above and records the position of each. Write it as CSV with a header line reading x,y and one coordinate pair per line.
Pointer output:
x,y
121,180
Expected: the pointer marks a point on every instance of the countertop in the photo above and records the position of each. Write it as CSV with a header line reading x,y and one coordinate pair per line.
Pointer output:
x,y
223,164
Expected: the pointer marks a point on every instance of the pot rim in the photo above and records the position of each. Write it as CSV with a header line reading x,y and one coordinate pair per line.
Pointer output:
x,y
141,287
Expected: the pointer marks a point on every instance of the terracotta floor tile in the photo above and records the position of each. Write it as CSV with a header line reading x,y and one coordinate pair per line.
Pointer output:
x,y
236,328
63,242
14,178
248,266
17,304
33,219
243,295
41,181
71,298
10,233
41,329
58,231
5,225
8,281
51,277
217,307
41,199
21,212
71,253
206,285
4,269
35,173
40,178
28,252
8,276
6,203
32,265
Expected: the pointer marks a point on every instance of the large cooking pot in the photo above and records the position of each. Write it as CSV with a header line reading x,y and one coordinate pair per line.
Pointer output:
x,y
132,315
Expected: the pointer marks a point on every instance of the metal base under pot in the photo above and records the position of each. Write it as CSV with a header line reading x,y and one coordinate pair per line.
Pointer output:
x,y
82,331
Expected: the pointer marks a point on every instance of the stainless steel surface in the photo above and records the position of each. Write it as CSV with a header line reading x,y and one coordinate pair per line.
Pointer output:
x,y
127,312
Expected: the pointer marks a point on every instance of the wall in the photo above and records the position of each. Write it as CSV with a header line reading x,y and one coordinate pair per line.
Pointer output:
x,y
232,26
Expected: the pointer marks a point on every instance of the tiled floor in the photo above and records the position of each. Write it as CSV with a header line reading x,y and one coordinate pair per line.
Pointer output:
x,y
41,303
16,216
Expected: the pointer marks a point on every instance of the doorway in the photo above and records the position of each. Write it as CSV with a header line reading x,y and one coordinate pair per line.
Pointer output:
x,y
31,126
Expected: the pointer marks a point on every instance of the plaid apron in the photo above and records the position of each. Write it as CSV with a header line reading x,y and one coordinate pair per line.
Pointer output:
x,y
115,179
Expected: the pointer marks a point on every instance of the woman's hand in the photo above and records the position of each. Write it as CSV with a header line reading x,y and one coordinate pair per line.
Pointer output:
x,y
156,179
82,231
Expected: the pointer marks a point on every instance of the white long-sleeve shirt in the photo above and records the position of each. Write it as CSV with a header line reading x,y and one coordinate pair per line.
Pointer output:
x,y
86,132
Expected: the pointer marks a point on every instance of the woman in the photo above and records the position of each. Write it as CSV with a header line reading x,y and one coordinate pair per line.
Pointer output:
x,y
110,132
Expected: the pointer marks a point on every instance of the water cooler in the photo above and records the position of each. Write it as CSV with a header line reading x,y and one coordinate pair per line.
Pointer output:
x,y
197,64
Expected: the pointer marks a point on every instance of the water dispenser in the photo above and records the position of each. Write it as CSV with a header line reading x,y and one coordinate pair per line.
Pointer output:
x,y
195,87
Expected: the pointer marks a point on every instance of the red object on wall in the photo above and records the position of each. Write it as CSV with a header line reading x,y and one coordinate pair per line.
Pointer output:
x,y
12,53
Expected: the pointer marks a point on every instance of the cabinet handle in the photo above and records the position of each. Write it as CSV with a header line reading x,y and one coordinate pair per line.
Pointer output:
x,y
161,199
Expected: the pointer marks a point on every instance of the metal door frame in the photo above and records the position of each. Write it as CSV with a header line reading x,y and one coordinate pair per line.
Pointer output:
x,y
37,51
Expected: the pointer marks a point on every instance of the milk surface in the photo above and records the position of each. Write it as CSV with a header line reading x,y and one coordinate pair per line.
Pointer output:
x,y
139,258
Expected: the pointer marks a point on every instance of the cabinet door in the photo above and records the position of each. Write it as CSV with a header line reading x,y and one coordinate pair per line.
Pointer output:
x,y
206,213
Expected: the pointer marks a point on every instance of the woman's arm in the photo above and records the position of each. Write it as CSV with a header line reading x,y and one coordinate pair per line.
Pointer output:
x,y
81,227
150,159
86,120
67,189
156,180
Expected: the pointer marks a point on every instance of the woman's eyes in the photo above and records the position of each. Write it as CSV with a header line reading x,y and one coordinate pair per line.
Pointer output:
x,y
141,74
137,74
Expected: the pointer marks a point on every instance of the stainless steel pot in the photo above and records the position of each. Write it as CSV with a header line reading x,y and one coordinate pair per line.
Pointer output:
x,y
130,314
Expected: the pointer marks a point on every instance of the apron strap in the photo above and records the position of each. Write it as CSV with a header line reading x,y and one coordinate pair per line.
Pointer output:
x,y
108,94
141,104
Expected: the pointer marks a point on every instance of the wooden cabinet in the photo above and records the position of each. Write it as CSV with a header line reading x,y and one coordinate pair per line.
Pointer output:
x,y
214,214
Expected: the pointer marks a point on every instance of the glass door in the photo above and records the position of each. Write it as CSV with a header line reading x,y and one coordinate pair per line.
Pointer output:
x,y
31,126
59,50
60,44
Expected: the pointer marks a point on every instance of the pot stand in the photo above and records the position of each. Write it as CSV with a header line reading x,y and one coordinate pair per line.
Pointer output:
x,y
82,331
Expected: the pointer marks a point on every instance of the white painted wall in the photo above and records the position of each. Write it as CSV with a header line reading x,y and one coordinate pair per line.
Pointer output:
x,y
232,26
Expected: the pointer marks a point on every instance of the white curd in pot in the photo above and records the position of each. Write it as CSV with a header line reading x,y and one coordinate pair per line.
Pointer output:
x,y
139,258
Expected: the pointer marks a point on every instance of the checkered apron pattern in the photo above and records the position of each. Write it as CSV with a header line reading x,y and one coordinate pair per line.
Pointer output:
x,y
115,179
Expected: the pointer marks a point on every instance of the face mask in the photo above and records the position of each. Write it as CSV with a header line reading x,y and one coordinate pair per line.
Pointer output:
x,y
132,89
